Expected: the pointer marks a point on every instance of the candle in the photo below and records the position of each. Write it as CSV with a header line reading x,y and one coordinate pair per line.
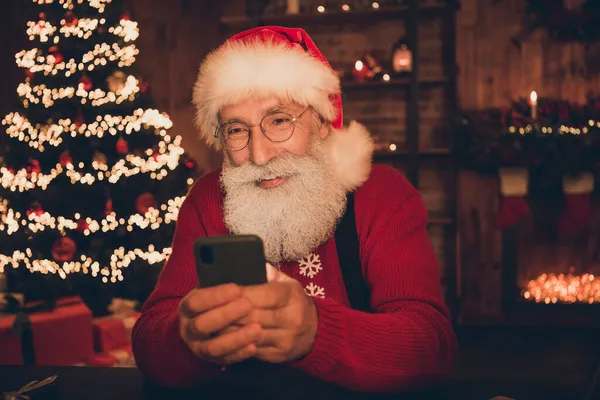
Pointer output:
x,y
359,71
293,6
533,97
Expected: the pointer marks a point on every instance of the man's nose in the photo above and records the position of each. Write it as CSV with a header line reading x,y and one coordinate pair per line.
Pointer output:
x,y
262,150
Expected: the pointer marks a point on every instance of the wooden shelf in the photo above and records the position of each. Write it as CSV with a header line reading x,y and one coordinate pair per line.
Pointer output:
x,y
329,17
405,153
392,83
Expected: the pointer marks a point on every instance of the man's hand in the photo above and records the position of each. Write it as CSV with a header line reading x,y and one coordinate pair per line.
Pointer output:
x,y
287,315
204,314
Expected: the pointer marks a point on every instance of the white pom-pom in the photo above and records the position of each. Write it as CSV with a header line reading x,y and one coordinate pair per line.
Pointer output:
x,y
351,152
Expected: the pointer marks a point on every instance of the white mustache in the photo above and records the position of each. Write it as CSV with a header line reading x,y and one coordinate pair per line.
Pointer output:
x,y
286,165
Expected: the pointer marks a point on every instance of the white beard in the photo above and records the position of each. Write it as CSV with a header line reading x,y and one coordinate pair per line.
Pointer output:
x,y
292,219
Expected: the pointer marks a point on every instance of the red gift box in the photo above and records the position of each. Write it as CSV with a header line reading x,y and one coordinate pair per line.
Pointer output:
x,y
62,336
109,334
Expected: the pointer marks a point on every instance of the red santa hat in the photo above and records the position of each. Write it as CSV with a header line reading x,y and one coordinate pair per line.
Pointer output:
x,y
284,62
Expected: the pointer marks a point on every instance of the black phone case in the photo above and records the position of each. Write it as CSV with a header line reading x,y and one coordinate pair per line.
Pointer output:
x,y
236,259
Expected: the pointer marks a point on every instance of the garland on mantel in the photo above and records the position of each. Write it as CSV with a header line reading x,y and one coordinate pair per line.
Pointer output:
x,y
565,20
564,136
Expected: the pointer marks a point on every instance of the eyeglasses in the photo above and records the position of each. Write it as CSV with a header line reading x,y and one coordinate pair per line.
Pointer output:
x,y
276,126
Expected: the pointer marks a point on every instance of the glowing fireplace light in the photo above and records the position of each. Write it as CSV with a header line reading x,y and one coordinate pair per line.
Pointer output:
x,y
569,288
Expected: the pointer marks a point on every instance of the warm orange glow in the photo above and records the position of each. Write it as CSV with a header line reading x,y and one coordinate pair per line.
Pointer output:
x,y
533,97
561,288
358,65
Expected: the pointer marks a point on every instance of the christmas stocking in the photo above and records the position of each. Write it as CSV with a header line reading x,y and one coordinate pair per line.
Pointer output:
x,y
578,203
513,188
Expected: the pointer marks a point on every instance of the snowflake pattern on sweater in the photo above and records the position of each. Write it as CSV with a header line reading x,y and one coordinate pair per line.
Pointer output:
x,y
310,266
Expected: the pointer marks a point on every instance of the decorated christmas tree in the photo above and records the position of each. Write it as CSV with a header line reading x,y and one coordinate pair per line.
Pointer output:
x,y
91,180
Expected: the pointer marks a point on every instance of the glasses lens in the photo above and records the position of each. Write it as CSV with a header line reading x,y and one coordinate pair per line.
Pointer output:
x,y
234,136
278,127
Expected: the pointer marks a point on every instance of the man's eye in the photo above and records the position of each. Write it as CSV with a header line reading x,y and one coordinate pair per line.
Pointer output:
x,y
233,131
280,121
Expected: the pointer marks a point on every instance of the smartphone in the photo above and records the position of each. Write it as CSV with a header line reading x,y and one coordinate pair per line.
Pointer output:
x,y
236,259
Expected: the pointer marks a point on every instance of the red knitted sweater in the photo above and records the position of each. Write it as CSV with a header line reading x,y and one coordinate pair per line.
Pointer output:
x,y
407,342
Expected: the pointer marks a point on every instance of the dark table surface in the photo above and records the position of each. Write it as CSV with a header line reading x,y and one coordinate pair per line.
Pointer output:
x,y
91,383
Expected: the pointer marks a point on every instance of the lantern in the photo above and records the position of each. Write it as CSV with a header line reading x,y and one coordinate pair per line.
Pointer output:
x,y
402,57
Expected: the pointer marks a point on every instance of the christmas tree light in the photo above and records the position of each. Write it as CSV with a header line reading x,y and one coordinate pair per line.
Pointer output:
x,y
91,181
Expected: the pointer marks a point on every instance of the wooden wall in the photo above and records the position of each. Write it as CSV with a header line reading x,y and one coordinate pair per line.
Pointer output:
x,y
498,62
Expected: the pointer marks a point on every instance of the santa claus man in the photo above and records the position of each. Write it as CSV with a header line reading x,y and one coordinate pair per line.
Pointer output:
x,y
271,102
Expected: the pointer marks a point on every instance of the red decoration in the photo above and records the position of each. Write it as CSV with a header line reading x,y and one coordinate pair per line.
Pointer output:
x,y
28,73
101,29
108,208
36,208
578,204
144,202
126,16
513,206
86,83
189,163
82,225
70,19
156,155
144,86
63,249
65,158
122,146
57,56
33,168
79,120
42,16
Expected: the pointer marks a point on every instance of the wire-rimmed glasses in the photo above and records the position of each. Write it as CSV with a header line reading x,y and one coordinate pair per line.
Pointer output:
x,y
277,126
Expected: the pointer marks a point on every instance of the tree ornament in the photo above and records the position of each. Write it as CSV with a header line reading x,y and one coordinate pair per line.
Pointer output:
x,y
63,249
82,225
116,81
189,163
144,202
126,16
122,146
65,158
99,158
108,207
144,86
70,19
36,209
85,83
79,120
28,73
33,168
55,56
155,155
42,16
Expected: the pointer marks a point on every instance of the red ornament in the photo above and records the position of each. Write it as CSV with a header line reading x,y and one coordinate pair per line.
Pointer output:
x,y
70,19
79,120
28,73
82,225
156,155
36,209
189,163
55,55
42,16
65,158
63,249
101,29
144,86
33,168
126,16
108,208
144,202
86,83
122,146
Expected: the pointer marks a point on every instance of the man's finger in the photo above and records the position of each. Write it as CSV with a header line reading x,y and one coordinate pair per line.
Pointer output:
x,y
241,355
201,300
272,338
219,318
268,295
230,342
269,354
266,318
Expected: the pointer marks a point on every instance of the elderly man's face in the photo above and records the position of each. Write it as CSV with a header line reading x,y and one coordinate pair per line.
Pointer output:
x,y
261,150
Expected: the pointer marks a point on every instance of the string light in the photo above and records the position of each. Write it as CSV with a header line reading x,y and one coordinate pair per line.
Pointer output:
x,y
153,219
100,5
569,288
86,265
548,130
126,29
19,127
132,165
102,54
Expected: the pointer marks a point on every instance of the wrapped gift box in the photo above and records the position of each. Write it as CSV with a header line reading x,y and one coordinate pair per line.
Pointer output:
x,y
62,336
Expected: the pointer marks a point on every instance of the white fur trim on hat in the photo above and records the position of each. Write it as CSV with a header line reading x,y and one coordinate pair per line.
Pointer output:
x,y
350,153
240,70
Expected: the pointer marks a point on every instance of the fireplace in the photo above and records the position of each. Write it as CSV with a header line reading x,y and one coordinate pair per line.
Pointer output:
x,y
529,273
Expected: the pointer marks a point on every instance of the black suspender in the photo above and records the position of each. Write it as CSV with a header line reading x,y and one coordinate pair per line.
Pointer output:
x,y
346,242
